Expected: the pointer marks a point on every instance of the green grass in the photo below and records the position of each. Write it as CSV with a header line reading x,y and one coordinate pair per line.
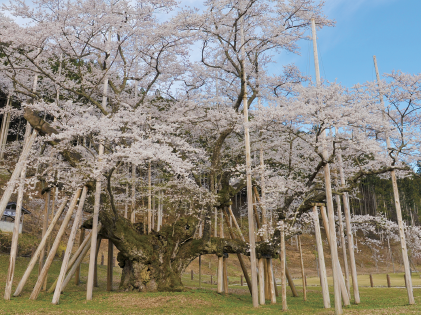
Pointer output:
x,y
205,300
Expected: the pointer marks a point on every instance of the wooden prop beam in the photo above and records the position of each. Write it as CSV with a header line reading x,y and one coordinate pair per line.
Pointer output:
x,y
70,242
303,275
41,245
72,260
51,255
320,255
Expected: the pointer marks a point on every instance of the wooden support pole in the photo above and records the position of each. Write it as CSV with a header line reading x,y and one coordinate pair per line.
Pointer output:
x,y
41,245
93,256
388,281
15,236
371,280
53,205
149,199
340,278
70,242
320,255
191,274
328,188
76,264
125,202
241,280
240,258
236,224
221,224
349,236
81,239
133,212
200,271
302,269
342,236
51,255
44,229
271,282
16,172
98,245
407,268
291,282
267,286
72,260
252,237
283,265
5,126
225,259
110,266
220,274
261,281
215,232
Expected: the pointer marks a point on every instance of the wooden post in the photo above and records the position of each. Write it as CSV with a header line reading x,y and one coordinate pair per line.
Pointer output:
x,y
283,265
340,278
5,127
102,259
53,205
371,280
39,248
349,236
69,247
200,271
191,272
225,274
211,280
92,258
216,223
149,199
98,245
72,260
271,282
44,229
15,236
28,142
125,201
241,280
221,224
76,264
290,281
342,236
398,209
388,281
110,266
240,258
133,213
328,188
252,240
54,248
220,274
16,172
267,286
81,238
302,269
320,255
93,255
261,281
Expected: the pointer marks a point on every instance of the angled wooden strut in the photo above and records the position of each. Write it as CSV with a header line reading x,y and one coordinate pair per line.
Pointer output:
x,y
40,247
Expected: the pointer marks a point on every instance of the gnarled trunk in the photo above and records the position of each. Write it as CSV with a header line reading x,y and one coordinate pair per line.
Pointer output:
x,y
155,262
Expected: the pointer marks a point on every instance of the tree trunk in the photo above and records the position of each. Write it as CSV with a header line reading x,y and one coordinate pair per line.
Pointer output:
x,y
155,262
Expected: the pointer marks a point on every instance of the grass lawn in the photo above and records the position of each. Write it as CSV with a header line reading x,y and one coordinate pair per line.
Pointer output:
x,y
195,300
